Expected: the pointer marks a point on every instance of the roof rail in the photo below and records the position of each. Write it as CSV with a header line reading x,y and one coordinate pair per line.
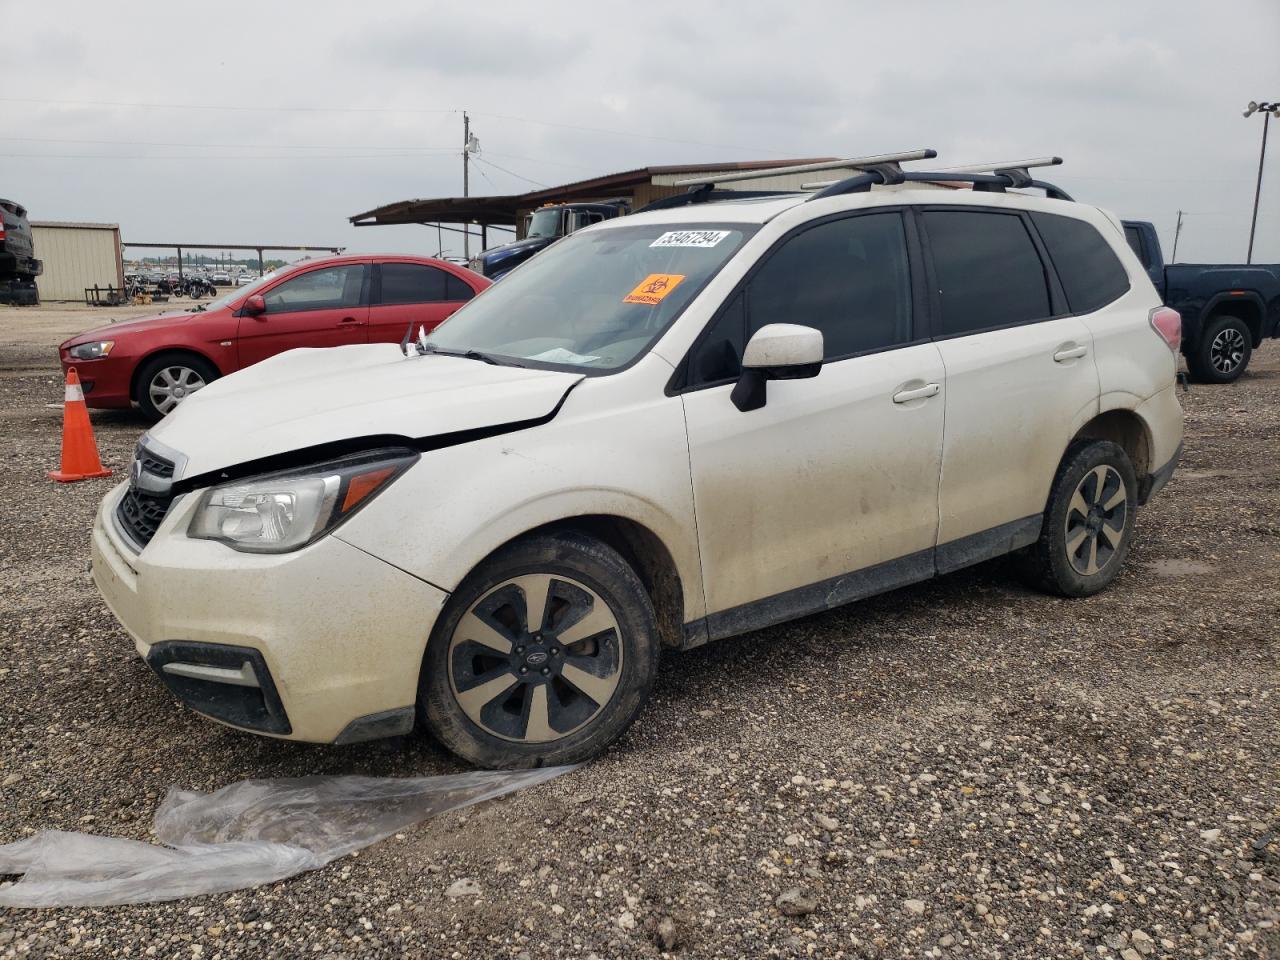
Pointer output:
x,y
985,177
858,163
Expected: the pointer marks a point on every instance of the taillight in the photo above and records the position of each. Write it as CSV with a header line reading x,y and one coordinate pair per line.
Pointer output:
x,y
1168,323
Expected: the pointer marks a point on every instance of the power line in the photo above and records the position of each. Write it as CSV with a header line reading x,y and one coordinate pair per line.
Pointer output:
x,y
511,173
216,146
189,158
303,109
211,106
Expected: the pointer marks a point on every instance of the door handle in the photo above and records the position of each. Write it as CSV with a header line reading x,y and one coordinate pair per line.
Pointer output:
x,y
1070,353
919,393
348,320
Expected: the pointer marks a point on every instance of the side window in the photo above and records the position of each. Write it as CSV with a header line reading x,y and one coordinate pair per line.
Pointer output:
x,y
1091,274
455,289
1135,241
719,354
849,278
988,271
413,283
330,288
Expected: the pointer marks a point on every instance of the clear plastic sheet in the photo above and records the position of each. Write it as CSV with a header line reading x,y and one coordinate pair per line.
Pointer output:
x,y
244,835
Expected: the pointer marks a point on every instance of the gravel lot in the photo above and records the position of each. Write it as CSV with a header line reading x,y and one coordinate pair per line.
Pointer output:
x,y
958,769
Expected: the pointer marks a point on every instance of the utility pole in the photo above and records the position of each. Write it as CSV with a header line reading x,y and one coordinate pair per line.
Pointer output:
x,y
1267,109
466,185
1177,231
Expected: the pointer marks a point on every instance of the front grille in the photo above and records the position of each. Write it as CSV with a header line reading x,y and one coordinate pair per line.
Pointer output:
x,y
140,514
156,466
148,498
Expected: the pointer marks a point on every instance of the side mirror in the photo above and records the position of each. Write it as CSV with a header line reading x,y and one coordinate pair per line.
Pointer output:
x,y
255,306
778,351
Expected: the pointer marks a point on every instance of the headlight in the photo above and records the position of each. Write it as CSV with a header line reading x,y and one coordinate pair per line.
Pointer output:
x,y
91,351
280,512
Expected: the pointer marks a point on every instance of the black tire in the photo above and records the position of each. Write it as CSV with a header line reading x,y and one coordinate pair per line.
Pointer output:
x,y
198,367
579,726
1223,353
1051,564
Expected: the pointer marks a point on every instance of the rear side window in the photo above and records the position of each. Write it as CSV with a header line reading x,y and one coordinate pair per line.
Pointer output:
x,y
455,289
1091,274
988,270
1135,241
413,283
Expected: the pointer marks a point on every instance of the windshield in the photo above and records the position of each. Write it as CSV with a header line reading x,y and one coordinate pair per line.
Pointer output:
x,y
596,299
239,292
544,223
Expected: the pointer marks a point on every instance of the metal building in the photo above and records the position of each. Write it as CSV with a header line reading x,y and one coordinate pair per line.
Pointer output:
x,y
77,256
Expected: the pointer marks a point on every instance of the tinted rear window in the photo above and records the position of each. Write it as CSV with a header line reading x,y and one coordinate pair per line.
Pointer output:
x,y
1091,274
412,283
988,271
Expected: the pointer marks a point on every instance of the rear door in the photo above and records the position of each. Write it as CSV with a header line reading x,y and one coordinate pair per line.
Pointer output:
x,y
417,294
327,306
1019,370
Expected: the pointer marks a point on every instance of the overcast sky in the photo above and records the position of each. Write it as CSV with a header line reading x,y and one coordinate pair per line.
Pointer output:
x,y
273,122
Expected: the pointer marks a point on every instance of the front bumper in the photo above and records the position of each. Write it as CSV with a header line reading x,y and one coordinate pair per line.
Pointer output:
x,y
323,645
107,381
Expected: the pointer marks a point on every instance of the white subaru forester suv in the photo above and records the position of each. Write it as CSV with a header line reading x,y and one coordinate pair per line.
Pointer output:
x,y
666,429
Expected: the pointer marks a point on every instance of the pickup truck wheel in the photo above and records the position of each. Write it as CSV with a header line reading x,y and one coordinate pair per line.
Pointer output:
x,y
1223,352
544,655
1088,523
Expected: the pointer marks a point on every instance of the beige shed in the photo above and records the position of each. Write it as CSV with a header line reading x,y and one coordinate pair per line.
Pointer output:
x,y
76,256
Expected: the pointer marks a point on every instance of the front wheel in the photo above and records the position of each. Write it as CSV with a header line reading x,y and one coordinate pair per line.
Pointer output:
x,y
544,655
1088,523
1223,351
168,380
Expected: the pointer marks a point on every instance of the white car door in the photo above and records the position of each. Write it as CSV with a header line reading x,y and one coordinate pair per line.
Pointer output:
x,y
1020,374
829,491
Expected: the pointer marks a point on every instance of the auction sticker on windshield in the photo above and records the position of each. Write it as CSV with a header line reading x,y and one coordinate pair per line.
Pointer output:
x,y
653,288
690,238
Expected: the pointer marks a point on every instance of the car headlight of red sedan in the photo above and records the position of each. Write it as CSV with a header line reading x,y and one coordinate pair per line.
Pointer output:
x,y
94,350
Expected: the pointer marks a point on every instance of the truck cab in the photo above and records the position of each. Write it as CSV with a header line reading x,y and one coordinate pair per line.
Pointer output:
x,y
542,228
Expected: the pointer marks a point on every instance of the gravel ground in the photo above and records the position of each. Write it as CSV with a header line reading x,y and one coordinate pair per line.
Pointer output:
x,y
958,769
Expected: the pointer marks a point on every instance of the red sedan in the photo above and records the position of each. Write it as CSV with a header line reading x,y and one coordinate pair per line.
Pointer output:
x,y
361,298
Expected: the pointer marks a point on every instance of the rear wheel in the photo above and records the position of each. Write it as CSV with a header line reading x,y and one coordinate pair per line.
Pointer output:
x,y
166,381
1223,352
1088,524
544,655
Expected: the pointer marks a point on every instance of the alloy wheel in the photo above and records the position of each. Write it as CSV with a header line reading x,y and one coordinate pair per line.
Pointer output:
x,y
171,385
1227,350
1096,520
535,658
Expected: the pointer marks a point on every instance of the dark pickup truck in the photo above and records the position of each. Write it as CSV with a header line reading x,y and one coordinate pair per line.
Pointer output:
x,y
18,266
1227,309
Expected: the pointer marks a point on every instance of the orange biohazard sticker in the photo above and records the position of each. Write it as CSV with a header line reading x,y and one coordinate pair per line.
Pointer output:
x,y
654,288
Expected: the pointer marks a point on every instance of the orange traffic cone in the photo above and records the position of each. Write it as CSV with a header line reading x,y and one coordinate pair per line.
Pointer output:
x,y
79,451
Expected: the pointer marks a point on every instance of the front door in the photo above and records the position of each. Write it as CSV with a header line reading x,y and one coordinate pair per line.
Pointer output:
x,y
830,491
1020,377
324,307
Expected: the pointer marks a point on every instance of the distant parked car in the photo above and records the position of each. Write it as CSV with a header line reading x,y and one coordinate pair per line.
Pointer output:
x,y
244,279
157,361
221,278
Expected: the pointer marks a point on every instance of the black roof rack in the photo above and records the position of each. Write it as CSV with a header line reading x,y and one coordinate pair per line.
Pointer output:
x,y
703,189
879,170
985,177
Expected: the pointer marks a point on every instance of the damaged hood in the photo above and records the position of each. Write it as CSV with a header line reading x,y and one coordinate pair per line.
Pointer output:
x,y
303,398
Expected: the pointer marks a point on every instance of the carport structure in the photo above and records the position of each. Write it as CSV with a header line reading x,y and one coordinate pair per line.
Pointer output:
x,y
639,187
258,247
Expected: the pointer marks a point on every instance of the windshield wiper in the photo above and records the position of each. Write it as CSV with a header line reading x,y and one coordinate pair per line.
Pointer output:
x,y
473,355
